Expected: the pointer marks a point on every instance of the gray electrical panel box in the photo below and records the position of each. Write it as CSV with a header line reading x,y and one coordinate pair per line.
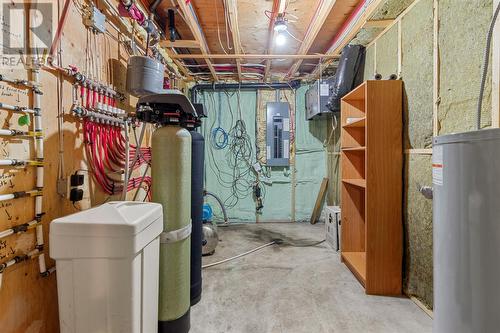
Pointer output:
x,y
278,134
318,98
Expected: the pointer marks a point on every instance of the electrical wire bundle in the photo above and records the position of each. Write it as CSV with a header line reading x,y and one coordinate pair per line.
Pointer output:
x,y
238,177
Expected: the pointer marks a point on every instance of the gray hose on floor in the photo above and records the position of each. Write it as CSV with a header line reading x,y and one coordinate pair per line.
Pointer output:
x,y
239,255
226,220
485,66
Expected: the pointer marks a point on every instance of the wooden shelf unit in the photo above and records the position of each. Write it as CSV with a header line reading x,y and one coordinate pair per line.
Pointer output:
x,y
372,164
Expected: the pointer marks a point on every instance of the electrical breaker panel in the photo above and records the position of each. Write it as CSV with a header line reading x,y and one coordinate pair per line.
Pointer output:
x,y
318,99
278,134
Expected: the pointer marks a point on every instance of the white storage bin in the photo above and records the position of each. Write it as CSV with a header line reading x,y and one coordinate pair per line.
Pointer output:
x,y
107,261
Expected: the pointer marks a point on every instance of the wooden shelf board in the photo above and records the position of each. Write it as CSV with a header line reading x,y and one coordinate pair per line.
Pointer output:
x,y
356,124
357,94
355,182
356,262
354,149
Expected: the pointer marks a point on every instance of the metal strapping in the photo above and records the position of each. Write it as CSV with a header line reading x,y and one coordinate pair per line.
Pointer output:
x,y
175,235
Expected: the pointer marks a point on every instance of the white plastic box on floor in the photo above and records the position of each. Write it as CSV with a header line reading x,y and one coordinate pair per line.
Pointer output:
x,y
332,226
107,261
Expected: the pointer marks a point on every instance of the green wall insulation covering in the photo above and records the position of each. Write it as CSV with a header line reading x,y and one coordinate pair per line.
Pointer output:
x,y
171,171
278,190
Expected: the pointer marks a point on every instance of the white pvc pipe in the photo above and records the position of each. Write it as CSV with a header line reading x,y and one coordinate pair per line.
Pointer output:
x,y
39,176
7,162
10,231
6,233
8,107
6,132
37,124
15,108
4,197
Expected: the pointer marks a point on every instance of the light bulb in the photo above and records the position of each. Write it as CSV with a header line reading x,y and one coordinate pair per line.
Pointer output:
x,y
280,39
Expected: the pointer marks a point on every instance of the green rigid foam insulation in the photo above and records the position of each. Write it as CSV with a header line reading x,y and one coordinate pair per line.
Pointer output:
x,y
310,159
171,172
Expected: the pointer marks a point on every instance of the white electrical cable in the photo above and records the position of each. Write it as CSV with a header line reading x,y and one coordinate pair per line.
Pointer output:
x,y
239,255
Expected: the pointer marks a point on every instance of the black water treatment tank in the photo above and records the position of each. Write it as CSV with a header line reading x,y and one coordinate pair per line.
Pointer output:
x,y
197,167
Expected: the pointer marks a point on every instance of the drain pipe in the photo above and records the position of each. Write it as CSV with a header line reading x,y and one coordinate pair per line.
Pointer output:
x,y
241,86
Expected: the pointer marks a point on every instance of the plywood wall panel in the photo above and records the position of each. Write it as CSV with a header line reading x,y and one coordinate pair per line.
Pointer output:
x,y
29,301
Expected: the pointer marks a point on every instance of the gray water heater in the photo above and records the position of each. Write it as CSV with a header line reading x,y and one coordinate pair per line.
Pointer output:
x,y
278,134
466,178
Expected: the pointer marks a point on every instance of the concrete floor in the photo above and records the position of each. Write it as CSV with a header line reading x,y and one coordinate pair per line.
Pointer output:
x,y
291,290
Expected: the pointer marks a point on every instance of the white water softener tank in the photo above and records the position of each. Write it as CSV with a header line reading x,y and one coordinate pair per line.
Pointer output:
x,y
107,261
466,178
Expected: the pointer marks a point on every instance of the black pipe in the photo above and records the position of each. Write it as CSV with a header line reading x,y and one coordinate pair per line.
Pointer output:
x,y
171,24
243,86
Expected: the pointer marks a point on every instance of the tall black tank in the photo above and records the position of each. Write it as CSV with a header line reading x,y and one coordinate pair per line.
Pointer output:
x,y
197,167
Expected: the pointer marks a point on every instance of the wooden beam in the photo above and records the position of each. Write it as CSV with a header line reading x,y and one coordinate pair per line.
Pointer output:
x,y
320,199
378,23
254,56
188,44
232,12
324,8
361,23
179,64
338,45
192,22
278,8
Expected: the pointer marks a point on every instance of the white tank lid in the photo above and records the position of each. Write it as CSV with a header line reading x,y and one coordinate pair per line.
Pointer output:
x,y
112,230
113,219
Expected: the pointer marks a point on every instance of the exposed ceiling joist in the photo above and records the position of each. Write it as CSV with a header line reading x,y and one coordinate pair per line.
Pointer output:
x,y
180,43
232,11
322,11
254,56
179,64
351,31
192,22
278,8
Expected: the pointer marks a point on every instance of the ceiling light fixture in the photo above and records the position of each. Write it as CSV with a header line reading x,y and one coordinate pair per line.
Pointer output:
x,y
280,24
280,39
